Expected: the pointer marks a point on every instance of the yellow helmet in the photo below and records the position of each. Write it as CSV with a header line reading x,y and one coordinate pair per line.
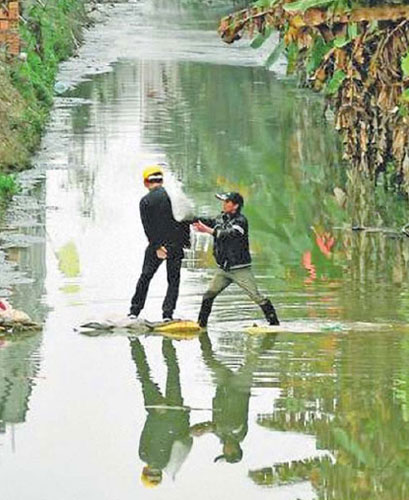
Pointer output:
x,y
153,173
151,477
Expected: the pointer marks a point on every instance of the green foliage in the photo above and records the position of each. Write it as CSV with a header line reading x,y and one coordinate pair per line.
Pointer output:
x,y
405,65
350,446
50,39
275,54
8,186
373,26
292,57
405,96
265,3
261,38
352,30
316,54
341,41
352,33
335,83
404,104
303,5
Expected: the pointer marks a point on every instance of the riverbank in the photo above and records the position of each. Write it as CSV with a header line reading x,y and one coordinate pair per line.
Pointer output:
x,y
49,34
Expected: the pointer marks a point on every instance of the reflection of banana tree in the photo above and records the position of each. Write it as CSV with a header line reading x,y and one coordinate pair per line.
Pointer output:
x,y
354,410
375,261
165,441
231,401
291,472
264,147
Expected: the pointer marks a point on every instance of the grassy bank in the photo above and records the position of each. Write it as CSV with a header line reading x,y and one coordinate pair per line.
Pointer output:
x,y
51,32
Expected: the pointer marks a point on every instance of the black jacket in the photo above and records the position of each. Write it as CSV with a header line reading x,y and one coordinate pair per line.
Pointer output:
x,y
161,228
231,240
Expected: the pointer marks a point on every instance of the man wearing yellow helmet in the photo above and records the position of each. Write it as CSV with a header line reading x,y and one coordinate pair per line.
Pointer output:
x,y
167,237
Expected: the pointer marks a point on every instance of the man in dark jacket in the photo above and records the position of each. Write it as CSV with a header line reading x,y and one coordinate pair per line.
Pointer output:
x,y
167,237
231,251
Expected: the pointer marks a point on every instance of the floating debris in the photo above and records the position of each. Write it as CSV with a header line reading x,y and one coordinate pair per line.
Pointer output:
x,y
12,320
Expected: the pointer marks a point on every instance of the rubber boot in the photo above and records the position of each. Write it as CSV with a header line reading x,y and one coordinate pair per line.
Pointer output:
x,y
205,311
270,313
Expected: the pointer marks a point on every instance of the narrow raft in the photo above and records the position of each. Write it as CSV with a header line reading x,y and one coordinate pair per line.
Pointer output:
x,y
176,330
187,330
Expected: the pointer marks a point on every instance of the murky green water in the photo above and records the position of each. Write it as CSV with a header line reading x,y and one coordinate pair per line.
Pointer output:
x,y
292,416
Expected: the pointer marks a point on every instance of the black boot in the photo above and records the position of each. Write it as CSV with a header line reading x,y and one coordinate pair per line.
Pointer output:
x,y
205,311
270,313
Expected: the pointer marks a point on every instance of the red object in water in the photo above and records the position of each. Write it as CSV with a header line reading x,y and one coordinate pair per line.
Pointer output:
x,y
325,243
309,266
2,305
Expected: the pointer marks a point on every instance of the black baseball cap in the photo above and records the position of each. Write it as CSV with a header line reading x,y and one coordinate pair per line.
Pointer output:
x,y
236,198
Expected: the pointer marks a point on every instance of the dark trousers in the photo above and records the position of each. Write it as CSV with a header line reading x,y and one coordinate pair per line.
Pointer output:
x,y
151,264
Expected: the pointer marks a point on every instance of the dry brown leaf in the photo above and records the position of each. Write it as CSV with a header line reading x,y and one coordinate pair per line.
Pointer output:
x,y
341,59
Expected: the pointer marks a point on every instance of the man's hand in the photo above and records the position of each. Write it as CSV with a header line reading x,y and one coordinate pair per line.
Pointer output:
x,y
202,228
162,253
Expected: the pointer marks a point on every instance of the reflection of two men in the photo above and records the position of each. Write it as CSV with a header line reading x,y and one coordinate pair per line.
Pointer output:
x,y
165,440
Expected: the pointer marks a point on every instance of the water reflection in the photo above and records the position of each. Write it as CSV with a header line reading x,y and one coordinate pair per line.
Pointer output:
x,y
165,441
231,401
23,242
352,397
19,365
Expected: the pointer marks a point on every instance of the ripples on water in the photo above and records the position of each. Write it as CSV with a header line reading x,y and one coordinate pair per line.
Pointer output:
x,y
310,415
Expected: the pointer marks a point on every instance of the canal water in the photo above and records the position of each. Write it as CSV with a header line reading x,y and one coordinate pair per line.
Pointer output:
x,y
319,411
